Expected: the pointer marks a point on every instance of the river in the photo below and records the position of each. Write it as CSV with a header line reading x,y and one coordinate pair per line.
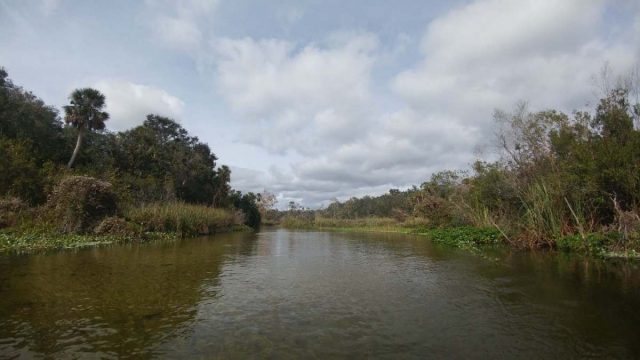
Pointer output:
x,y
304,294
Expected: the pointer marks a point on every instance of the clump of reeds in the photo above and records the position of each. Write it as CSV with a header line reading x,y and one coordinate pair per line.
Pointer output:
x,y
184,219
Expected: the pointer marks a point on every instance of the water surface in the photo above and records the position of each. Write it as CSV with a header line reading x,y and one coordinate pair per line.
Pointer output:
x,y
287,294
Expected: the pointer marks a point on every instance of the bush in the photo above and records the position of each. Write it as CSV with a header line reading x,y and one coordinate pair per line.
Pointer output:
x,y
11,209
181,218
79,203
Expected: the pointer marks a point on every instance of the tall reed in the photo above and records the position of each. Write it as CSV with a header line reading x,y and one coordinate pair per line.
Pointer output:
x,y
184,219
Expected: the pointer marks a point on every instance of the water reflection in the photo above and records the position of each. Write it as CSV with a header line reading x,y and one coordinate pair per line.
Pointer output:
x,y
108,302
315,294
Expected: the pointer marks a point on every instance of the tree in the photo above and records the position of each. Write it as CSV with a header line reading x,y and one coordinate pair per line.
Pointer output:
x,y
222,187
85,114
176,164
248,204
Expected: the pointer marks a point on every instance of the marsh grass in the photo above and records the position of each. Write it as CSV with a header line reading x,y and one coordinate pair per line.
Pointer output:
x,y
542,221
182,219
361,224
368,222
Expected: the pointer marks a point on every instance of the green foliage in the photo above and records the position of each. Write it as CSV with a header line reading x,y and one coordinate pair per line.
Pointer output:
x,y
248,204
85,109
543,216
26,119
435,200
35,236
78,203
464,236
21,175
36,240
181,218
593,243
164,163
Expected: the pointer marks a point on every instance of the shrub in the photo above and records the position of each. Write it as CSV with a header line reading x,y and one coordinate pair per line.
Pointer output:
x,y
78,203
11,209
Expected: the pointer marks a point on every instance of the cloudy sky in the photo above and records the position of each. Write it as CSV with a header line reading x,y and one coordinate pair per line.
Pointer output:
x,y
315,100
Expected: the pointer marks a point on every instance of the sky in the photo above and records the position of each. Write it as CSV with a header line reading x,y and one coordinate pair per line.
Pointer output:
x,y
320,100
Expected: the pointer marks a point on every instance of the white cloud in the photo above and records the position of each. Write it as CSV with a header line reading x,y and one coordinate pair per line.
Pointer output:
x,y
128,104
494,52
303,100
179,24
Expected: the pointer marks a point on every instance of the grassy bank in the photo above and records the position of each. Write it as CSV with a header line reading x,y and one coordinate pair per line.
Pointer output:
x,y
604,244
462,236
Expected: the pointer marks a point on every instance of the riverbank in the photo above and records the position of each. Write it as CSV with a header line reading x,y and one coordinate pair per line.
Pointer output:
x,y
604,245
61,225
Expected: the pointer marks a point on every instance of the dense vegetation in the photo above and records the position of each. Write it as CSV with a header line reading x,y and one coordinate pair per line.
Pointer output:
x,y
565,181
156,162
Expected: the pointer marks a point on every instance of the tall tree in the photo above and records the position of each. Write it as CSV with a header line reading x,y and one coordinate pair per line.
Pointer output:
x,y
85,113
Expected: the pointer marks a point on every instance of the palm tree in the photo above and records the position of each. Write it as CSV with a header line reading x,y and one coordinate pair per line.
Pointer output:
x,y
85,113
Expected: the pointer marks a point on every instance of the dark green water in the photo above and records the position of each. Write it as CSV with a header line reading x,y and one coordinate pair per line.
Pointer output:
x,y
282,294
